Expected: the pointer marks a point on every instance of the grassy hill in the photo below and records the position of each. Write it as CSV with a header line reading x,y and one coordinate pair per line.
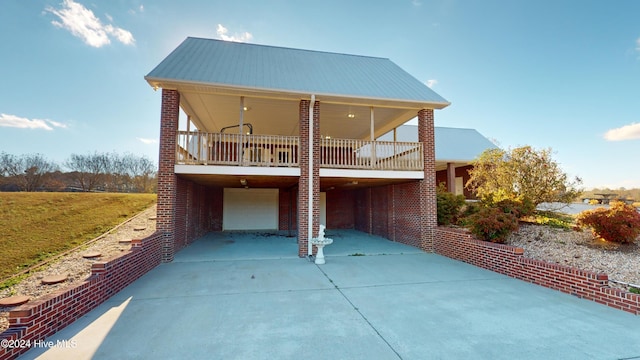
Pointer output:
x,y
35,226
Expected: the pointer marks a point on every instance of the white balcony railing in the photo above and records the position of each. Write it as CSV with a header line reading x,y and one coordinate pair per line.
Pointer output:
x,y
235,149
373,155
274,150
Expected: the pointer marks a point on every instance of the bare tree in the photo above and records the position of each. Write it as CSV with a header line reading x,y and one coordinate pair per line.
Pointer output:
x,y
29,172
89,171
142,172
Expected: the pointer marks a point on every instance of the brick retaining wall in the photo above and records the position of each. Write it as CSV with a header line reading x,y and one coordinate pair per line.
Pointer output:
x,y
41,318
510,261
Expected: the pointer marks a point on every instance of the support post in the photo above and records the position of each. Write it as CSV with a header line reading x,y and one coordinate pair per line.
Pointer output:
x,y
309,181
167,179
451,178
428,207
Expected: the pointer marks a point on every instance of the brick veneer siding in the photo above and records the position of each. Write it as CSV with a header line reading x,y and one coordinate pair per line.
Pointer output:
x,y
407,219
214,211
362,215
287,207
167,180
198,210
340,209
380,209
510,261
306,177
41,318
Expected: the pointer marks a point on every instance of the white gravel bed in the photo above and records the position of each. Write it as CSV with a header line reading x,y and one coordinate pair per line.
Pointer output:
x,y
579,250
75,266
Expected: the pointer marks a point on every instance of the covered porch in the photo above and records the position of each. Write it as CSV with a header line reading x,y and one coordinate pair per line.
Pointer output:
x,y
201,148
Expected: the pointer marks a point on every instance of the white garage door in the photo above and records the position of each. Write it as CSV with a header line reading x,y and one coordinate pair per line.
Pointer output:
x,y
250,209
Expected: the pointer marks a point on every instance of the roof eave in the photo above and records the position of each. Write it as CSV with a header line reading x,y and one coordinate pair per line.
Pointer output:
x,y
174,84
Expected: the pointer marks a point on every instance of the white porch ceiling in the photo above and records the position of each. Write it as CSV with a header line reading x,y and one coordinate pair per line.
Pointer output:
x,y
278,115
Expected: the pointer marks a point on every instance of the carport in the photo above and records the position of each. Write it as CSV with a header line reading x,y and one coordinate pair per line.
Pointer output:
x,y
234,295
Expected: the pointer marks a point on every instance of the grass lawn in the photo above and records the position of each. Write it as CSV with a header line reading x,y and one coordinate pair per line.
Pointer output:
x,y
35,226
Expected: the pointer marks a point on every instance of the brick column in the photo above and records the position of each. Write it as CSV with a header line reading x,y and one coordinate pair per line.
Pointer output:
x,y
428,207
305,177
167,180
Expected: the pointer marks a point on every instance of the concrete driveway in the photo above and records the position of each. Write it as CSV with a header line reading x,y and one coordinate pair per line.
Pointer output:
x,y
248,296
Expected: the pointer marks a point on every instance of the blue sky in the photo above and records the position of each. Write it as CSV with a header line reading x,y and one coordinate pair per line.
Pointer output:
x,y
546,73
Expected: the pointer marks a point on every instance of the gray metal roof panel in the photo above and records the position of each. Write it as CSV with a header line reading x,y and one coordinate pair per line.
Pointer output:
x,y
285,69
452,144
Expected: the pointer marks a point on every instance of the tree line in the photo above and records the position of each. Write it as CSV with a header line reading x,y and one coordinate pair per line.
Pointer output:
x,y
109,172
621,193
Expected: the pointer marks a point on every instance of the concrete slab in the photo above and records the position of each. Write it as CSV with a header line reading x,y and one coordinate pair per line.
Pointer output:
x,y
223,299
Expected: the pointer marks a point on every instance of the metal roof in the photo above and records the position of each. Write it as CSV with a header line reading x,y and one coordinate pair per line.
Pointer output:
x,y
452,144
270,68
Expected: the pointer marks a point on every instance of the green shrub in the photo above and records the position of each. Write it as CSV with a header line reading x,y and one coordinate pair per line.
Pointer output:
x,y
620,223
468,209
493,224
449,206
553,219
519,208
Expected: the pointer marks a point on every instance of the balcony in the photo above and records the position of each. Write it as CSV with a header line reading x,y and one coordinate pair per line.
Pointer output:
x,y
198,148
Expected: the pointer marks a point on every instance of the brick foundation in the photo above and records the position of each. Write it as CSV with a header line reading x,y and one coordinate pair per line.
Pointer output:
x,y
41,318
510,261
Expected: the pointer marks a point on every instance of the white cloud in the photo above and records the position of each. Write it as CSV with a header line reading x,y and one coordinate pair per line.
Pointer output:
x,y
431,82
82,23
147,141
122,35
13,121
638,44
223,34
416,2
139,10
627,132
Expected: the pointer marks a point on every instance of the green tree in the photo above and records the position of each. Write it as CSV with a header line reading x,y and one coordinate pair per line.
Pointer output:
x,y
522,174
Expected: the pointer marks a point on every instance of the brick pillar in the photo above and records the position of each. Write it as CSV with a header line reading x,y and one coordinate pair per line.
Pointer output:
x,y
305,177
428,207
167,180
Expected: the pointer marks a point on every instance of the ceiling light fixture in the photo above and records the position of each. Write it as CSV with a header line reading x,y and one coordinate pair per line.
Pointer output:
x,y
351,115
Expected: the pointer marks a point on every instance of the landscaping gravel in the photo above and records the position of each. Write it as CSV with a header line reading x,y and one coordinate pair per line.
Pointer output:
x,y
580,250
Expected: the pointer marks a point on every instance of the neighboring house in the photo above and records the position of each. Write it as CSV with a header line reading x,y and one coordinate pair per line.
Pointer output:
x,y
456,149
284,139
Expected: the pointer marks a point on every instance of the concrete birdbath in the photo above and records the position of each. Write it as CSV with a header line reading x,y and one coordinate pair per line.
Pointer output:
x,y
320,242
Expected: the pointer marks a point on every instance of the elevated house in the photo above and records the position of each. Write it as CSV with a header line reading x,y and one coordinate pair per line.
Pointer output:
x,y
286,139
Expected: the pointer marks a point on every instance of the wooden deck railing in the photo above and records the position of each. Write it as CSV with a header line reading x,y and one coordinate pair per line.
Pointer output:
x,y
235,149
274,150
371,155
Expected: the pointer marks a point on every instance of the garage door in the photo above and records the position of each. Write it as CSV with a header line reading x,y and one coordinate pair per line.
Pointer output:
x,y
250,209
